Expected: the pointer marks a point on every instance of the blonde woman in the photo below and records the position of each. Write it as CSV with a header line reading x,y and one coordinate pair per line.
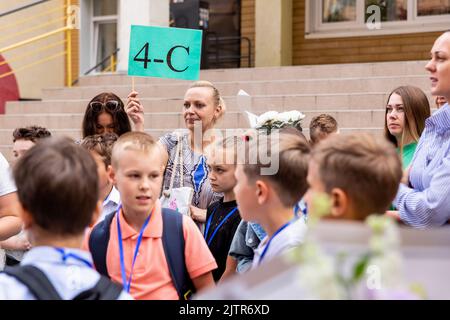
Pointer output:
x,y
202,108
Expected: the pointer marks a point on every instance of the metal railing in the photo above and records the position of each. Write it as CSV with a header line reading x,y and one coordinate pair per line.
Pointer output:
x,y
111,67
220,50
69,19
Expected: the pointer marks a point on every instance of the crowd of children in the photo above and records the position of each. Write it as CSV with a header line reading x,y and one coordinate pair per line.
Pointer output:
x,y
94,227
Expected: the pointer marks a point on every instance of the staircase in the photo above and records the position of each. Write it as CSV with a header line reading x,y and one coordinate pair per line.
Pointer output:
x,y
355,94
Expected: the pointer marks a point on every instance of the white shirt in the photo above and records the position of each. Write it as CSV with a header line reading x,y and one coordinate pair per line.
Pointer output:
x,y
7,184
110,204
69,277
290,237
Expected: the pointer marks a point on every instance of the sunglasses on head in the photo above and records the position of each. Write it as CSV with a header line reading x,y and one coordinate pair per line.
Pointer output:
x,y
110,105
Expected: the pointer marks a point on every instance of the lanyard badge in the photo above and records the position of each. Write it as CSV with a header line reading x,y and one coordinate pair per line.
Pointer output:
x,y
127,284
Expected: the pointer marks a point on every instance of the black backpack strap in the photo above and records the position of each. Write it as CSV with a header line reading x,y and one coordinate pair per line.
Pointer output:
x,y
105,289
173,243
35,280
98,244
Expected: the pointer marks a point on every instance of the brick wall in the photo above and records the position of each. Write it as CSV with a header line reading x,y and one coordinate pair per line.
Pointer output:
x,y
356,49
343,50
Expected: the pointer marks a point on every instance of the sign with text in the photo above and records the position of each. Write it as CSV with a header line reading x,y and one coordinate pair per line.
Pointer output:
x,y
165,52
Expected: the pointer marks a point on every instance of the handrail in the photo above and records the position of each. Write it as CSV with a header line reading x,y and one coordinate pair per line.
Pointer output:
x,y
33,64
220,40
22,7
112,64
29,53
39,26
33,39
27,19
67,28
101,62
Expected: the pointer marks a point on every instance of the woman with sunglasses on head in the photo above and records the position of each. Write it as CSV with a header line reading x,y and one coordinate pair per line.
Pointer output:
x,y
203,106
105,113
423,197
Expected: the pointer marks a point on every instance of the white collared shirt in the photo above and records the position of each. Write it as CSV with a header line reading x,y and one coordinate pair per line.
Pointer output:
x,y
69,277
110,204
290,237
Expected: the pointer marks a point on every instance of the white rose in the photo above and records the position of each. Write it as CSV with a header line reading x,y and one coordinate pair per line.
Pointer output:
x,y
283,117
269,115
294,115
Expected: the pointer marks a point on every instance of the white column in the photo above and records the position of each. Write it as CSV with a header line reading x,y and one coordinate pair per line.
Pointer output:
x,y
139,12
273,33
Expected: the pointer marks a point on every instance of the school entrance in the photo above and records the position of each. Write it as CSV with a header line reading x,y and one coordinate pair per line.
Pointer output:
x,y
220,20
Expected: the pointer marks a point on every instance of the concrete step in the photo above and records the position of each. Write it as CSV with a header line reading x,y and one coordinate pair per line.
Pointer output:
x,y
166,120
275,73
259,104
275,87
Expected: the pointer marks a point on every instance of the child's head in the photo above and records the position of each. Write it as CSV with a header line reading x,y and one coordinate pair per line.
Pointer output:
x,y
256,191
361,174
25,138
221,161
57,187
100,146
322,126
137,168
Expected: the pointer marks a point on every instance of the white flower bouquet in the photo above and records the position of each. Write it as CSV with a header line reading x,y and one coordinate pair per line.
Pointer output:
x,y
276,120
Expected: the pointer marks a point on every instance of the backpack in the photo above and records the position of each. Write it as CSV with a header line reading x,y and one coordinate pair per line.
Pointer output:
x,y
40,286
173,244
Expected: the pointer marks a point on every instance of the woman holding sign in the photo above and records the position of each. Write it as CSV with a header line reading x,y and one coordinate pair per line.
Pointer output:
x,y
203,107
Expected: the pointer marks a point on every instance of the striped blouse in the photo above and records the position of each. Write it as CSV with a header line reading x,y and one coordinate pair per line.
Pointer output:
x,y
426,202
195,170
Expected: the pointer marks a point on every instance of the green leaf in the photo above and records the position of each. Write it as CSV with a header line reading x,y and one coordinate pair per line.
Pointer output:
x,y
360,268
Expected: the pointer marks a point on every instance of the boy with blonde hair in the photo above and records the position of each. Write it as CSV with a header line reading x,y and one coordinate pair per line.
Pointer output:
x,y
155,253
358,172
269,199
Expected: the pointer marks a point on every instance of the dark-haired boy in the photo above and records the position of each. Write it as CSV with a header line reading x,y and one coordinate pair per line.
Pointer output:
x,y
58,190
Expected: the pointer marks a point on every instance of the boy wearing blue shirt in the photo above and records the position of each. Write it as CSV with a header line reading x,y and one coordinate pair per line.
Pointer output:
x,y
270,181
58,190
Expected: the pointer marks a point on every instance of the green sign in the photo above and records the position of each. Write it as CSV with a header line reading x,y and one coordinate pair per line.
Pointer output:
x,y
165,52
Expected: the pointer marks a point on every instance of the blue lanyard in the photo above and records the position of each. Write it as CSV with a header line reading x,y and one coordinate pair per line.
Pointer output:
x,y
127,284
74,256
284,226
208,224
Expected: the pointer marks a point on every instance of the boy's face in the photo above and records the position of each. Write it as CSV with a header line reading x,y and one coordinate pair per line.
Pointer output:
x,y
20,147
103,177
220,175
246,195
138,176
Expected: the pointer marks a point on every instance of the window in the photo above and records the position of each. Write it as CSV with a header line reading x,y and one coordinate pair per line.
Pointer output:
x,y
338,10
432,7
347,18
393,10
104,31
